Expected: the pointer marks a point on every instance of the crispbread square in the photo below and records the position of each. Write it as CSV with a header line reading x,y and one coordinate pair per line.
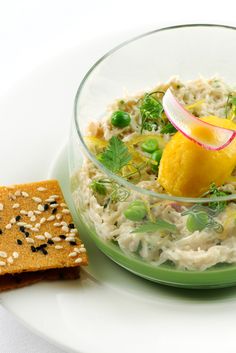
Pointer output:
x,y
36,229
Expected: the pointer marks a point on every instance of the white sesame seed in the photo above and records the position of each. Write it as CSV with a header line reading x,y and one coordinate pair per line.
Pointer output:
x,y
41,188
57,224
82,250
54,205
77,250
24,194
70,239
56,239
51,218
3,254
40,237
73,254
21,224
81,246
62,204
42,220
28,226
40,207
1,207
30,240
54,197
37,212
33,218
2,263
12,197
49,200
10,260
30,213
65,211
79,260
58,247
23,212
63,223
13,221
34,229
58,216
36,199
48,235
74,230
15,255
17,193
37,225
65,229
8,226
16,205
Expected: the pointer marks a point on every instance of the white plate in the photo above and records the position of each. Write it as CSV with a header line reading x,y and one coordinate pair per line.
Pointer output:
x,y
108,310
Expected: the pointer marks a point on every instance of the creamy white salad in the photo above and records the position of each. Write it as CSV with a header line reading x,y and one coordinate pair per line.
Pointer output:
x,y
134,141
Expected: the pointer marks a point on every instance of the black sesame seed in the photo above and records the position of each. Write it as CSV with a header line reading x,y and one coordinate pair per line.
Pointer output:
x,y
22,229
52,203
62,236
71,225
54,211
18,218
38,248
42,246
46,207
44,251
50,242
19,242
73,243
26,234
0,231
33,249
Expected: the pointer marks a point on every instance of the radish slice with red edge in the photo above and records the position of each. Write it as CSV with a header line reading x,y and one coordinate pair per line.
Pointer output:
x,y
209,136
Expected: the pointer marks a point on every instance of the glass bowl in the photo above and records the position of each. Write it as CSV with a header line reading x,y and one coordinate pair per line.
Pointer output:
x,y
137,65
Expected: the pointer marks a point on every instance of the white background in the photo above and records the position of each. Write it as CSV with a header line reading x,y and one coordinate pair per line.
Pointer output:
x,y
33,32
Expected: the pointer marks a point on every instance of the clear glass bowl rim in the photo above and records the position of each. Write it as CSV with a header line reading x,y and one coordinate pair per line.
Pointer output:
x,y
106,171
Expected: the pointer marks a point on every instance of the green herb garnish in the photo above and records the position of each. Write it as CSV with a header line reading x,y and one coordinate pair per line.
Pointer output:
x,y
99,187
159,225
217,206
151,111
168,129
116,155
109,187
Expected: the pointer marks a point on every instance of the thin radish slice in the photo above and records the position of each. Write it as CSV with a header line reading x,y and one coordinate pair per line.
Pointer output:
x,y
206,135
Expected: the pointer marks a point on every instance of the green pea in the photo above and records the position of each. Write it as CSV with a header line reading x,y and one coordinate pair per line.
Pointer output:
x,y
150,145
156,156
197,221
136,211
120,119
